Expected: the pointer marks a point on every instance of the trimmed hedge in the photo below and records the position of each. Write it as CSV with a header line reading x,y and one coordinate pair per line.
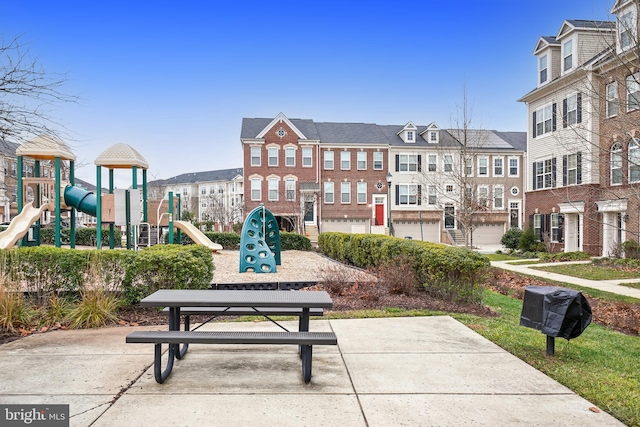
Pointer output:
x,y
85,236
445,271
44,270
231,241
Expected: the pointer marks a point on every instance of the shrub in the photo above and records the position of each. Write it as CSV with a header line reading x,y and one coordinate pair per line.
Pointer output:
x,y
168,267
564,256
511,238
85,236
294,241
15,312
398,276
527,242
631,249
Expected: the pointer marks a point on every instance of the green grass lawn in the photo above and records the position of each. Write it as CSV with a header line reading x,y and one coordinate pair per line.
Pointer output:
x,y
631,285
590,271
501,257
525,262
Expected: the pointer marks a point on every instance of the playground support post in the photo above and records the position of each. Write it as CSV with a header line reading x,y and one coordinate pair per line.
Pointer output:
x,y
170,217
99,208
72,225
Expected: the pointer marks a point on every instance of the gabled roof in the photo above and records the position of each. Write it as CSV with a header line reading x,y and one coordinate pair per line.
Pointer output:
x,y
545,42
8,148
198,177
579,24
374,134
619,4
281,118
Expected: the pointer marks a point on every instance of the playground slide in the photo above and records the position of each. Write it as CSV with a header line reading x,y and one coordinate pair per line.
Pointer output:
x,y
196,235
20,225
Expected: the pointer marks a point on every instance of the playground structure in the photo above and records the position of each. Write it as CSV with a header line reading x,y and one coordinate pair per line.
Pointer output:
x,y
260,242
126,208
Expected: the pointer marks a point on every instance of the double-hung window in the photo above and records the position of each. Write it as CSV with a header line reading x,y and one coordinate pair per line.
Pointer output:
x,y
544,171
408,194
255,156
612,103
468,166
498,166
272,156
625,28
273,189
567,55
544,120
362,160
572,169
448,163
307,157
328,160
345,192
328,192
616,164
498,197
633,92
290,189
513,166
543,69
256,190
483,166
377,160
345,160
572,110
361,189
556,231
408,162
537,226
432,195
634,162
483,196
289,156
433,162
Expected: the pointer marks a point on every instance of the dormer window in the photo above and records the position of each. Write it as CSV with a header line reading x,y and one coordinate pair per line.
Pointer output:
x,y
410,136
543,69
433,136
625,29
567,55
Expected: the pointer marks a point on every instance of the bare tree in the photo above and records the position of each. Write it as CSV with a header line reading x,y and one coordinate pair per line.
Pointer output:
x,y
221,211
27,92
457,173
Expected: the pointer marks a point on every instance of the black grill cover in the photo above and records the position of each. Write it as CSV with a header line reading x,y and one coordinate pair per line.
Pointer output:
x,y
555,311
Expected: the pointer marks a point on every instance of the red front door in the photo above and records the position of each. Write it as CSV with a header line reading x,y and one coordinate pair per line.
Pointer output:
x,y
379,214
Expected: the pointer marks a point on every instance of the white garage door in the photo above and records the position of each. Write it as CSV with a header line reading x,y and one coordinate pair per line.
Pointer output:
x,y
345,226
488,234
430,230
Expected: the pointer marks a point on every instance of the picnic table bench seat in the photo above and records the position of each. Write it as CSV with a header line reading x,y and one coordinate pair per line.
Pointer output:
x,y
306,341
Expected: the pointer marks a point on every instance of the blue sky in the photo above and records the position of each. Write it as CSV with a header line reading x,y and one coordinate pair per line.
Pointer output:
x,y
174,79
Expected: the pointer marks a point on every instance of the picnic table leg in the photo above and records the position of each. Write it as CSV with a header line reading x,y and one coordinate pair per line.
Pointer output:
x,y
303,325
306,352
174,325
157,363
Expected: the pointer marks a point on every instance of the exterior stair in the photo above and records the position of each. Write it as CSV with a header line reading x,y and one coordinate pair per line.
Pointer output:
x,y
312,233
456,237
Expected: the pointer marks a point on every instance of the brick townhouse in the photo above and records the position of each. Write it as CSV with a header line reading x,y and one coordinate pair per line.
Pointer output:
x,y
582,121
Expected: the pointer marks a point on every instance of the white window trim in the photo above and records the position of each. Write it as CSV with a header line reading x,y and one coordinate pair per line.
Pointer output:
x,y
494,197
358,193
287,181
333,160
484,189
565,55
540,69
269,189
434,163
541,118
310,157
347,154
344,185
470,161
381,155
444,163
288,157
616,149
569,157
517,159
409,187
501,158
332,192
634,79
614,100
409,163
633,148
361,153
432,191
488,166
259,156
259,189
269,157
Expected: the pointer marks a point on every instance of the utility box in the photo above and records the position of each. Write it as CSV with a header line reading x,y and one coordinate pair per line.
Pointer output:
x,y
556,312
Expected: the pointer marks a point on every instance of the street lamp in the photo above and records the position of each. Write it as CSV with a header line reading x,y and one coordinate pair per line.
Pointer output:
x,y
389,176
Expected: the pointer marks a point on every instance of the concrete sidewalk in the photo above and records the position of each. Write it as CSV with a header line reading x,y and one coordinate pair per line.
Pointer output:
x,y
384,372
612,286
